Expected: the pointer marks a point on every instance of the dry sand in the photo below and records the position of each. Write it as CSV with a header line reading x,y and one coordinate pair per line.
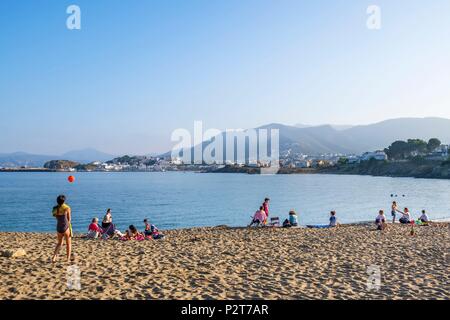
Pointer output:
x,y
225,263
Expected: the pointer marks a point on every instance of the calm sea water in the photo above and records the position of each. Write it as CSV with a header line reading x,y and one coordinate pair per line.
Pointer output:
x,y
179,200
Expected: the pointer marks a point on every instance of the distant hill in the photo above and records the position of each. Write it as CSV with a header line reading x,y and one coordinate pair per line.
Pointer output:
x,y
334,126
381,134
315,140
358,139
23,159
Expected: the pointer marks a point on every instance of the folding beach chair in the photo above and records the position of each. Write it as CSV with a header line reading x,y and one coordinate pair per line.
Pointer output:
x,y
274,222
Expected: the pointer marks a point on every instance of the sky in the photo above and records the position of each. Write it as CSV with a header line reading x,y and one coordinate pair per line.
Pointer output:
x,y
139,69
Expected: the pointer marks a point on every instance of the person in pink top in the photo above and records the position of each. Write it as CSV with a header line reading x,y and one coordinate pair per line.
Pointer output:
x,y
266,206
259,217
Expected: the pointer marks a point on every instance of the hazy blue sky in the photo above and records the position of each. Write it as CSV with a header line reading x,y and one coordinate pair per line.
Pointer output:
x,y
139,69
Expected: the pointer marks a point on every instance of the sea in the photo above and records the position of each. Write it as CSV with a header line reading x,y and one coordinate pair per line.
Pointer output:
x,y
173,200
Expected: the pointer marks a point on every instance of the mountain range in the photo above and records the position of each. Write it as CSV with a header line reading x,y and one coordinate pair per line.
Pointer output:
x,y
20,159
300,138
361,138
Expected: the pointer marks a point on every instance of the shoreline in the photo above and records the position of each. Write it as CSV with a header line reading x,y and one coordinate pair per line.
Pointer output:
x,y
250,171
236,263
301,226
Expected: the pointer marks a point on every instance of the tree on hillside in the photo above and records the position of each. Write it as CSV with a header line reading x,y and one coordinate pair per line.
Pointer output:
x,y
397,150
400,150
417,146
342,161
433,143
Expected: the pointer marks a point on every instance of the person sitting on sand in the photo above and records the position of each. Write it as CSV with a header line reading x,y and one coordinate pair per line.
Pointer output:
x,y
333,219
133,234
394,210
293,219
406,217
424,217
380,220
259,217
152,231
94,230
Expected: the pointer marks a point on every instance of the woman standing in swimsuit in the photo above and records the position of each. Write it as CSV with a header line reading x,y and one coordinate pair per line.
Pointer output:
x,y
62,214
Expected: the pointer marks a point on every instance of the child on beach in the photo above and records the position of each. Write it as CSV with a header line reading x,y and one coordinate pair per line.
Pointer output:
x,y
152,231
406,217
266,207
380,220
293,219
424,217
333,219
94,230
394,210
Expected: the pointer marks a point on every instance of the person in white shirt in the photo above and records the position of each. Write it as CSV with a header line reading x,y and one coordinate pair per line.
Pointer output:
x,y
406,217
380,220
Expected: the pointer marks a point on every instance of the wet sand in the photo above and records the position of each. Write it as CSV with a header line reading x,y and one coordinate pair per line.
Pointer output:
x,y
233,263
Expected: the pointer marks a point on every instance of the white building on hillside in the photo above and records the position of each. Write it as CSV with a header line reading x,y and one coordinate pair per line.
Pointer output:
x,y
377,155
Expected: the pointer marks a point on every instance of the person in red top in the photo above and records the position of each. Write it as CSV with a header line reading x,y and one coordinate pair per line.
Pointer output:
x,y
266,206
95,227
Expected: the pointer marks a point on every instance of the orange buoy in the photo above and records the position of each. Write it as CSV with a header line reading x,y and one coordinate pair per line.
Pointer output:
x,y
71,179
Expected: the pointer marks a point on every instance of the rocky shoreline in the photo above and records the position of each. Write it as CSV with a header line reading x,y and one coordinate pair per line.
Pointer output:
x,y
423,169
430,169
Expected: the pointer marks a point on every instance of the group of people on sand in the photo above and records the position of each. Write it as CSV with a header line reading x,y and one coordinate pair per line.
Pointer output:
x,y
260,217
107,230
406,217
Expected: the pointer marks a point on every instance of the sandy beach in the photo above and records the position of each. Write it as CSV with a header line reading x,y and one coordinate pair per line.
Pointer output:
x,y
233,263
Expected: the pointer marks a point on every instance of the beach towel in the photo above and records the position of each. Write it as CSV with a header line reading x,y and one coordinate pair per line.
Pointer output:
x,y
138,238
319,226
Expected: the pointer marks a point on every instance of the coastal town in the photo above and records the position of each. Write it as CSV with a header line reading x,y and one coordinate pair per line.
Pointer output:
x,y
414,151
